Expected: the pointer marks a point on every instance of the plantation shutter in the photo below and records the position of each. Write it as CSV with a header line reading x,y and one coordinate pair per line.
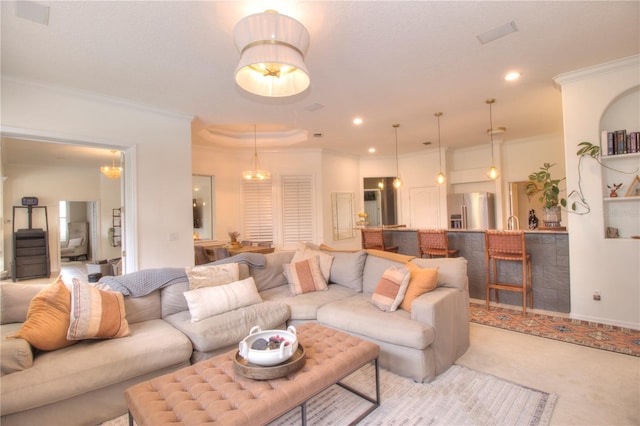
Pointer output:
x,y
258,210
297,208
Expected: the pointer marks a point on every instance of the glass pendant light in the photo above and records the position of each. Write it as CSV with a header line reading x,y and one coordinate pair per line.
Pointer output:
x,y
397,182
493,171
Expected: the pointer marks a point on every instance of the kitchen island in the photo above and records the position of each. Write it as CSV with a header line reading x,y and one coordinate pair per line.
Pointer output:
x,y
549,256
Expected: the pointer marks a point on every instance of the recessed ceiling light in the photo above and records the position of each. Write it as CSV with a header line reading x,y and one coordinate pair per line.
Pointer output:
x,y
512,75
372,150
357,120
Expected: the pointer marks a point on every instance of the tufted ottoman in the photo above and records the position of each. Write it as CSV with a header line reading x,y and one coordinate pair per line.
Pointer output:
x,y
210,392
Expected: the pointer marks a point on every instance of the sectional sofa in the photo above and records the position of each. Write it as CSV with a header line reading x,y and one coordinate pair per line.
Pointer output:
x,y
84,383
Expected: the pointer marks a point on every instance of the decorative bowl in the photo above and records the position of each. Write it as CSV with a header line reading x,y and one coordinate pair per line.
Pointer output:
x,y
288,344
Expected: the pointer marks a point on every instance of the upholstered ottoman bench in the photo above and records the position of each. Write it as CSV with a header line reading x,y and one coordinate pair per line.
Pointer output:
x,y
210,392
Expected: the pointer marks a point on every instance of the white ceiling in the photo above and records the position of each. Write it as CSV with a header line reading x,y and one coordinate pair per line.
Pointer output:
x,y
387,62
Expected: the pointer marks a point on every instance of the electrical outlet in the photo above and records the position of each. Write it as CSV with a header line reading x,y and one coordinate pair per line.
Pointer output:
x,y
596,295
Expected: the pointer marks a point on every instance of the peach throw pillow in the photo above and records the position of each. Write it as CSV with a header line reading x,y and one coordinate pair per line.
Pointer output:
x,y
421,281
48,318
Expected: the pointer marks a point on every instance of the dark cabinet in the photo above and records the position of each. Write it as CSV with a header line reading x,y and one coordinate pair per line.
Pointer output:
x,y
30,249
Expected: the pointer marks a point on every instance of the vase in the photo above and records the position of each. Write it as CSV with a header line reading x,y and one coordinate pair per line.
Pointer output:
x,y
552,217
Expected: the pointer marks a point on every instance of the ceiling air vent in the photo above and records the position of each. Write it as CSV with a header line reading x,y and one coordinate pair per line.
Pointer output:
x,y
318,135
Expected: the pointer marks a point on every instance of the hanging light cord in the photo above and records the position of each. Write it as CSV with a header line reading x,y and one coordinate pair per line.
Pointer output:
x,y
395,126
438,114
256,162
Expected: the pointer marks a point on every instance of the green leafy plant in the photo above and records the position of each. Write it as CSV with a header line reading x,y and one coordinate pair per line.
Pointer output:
x,y
585,150
541,182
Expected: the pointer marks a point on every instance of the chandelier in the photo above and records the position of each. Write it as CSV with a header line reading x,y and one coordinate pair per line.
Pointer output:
x,y
272,48
256,173
112,172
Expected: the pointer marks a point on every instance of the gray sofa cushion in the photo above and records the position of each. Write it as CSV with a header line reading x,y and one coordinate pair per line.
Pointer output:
x,y
305,306
93,364
172,299
15,298
230,327
143,308
357,315
452,272
15,354
347,268
272,274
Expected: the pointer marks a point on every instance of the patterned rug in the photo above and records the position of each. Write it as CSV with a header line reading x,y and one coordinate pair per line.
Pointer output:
x,y
600,336
459,396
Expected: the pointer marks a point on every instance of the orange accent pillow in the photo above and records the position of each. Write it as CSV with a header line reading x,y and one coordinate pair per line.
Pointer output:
x,y
48,318
422,281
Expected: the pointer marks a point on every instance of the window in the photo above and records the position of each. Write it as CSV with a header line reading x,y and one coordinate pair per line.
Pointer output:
x,y
63,210
297,208
257,210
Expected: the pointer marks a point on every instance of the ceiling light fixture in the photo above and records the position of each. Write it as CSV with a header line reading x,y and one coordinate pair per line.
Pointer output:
x,y
511,76
441,177
256,173
397,182
493,171
112,172
272,48
357,121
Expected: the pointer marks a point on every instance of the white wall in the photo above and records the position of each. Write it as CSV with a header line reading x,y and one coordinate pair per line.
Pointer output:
x,y
340,174
227,166
159,144
597,263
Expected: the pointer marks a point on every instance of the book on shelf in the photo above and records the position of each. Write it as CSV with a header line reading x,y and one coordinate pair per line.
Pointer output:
x,y
619,142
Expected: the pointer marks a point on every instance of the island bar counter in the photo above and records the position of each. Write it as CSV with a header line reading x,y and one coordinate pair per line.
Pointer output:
x,y
549,257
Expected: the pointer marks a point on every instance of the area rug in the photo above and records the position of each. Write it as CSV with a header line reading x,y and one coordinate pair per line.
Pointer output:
x,y
584,333
459,396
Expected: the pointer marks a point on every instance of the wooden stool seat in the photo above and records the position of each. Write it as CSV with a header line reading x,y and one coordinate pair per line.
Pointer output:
x,y
373,238
508,246
434,243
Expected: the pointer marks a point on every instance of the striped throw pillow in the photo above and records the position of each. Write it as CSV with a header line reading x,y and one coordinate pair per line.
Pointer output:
x,y
391,288
305,276
96,314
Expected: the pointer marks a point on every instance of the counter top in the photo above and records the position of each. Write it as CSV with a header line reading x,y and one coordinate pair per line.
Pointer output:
x,y
526,231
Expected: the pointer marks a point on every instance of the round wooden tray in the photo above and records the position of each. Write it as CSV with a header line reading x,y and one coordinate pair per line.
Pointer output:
x,y
253,371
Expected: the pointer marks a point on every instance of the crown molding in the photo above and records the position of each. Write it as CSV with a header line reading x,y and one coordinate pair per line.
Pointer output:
x,y
596,70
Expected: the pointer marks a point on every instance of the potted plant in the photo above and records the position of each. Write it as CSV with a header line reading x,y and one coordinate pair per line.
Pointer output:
x,y
541,182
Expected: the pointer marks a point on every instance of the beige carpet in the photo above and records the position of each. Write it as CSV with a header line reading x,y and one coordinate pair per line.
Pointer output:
x,y
458,396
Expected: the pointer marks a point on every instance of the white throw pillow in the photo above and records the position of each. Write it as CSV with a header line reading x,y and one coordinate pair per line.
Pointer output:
x,y
212,275
209,301
74,242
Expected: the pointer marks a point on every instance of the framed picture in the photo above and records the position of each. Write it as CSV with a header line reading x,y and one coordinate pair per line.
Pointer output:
x,y
634,188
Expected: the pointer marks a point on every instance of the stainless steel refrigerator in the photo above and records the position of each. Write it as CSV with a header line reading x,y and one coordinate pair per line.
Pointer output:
x,y
474,210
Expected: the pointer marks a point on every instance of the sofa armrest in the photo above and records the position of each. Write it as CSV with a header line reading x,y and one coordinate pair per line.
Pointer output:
x,y
447,311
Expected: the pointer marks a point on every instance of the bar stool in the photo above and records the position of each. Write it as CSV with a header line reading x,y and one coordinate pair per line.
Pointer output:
x,y
508,246
435,243
373,238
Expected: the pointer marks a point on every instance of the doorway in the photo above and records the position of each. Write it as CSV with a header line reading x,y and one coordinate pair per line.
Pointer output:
x,y
54,171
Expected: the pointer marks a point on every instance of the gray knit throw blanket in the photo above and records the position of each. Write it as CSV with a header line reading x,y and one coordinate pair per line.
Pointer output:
x,y
141,283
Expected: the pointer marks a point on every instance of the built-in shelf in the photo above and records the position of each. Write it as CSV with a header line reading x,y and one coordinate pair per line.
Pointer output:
x,y
621,213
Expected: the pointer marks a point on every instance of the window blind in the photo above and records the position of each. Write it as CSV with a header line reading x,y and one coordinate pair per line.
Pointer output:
x,y
297,208
258,210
